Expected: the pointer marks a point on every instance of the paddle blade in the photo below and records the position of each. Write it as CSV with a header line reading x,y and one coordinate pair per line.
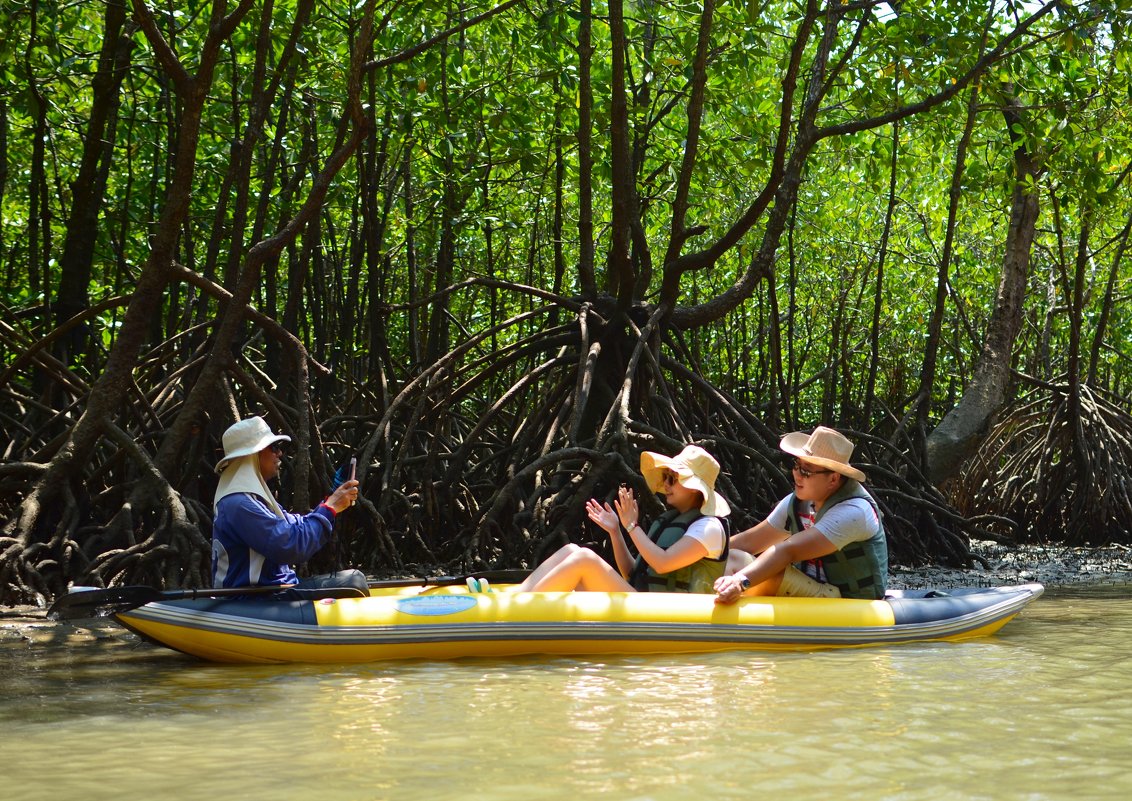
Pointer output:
x,y
94,602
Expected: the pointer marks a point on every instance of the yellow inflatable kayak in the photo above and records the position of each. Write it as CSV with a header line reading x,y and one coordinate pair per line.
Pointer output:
x,y
445,623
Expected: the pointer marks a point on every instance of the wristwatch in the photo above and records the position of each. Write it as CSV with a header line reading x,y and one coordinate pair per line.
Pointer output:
x,y
744,584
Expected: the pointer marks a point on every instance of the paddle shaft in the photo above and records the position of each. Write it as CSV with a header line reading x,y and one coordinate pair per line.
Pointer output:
x,y
88,603
498,576
82,603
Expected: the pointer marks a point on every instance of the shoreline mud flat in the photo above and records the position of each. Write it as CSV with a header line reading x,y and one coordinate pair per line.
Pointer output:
x,y
1053,566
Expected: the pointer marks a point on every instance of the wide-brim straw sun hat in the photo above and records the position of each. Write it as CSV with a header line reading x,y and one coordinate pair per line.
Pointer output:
x,y
247,437
825,448
694,468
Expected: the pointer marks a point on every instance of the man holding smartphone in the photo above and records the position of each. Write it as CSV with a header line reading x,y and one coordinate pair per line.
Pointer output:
x,y
254,540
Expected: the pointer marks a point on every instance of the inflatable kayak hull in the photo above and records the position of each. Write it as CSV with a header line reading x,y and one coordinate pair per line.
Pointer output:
x,y
441,623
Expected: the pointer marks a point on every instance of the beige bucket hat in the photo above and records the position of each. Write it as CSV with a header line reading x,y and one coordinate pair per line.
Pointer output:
x,y
247,437
695,469
825,448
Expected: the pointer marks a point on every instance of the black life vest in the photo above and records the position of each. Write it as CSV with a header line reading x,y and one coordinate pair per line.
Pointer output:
x,y
860,569
699,576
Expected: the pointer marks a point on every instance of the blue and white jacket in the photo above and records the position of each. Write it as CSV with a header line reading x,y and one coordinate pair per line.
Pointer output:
x,y
252,546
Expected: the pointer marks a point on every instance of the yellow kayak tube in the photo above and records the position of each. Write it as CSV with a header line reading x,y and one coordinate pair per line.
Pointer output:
x,y
446,623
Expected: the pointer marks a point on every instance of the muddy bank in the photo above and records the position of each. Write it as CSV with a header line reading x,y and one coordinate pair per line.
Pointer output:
x,y
1051,566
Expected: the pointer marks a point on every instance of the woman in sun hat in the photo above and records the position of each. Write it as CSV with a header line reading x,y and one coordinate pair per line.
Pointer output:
x,y
254,541
824,540
685,549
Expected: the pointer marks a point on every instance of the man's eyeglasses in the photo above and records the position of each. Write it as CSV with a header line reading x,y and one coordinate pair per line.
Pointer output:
x,y
806,472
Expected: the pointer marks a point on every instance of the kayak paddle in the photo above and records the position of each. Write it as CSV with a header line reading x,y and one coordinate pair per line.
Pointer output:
x,y
96,602
90,601
512,576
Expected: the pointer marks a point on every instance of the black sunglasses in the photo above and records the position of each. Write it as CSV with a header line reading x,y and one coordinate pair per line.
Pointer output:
x,y
806,472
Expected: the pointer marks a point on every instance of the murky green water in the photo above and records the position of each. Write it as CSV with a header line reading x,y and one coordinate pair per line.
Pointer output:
x,y
1039,711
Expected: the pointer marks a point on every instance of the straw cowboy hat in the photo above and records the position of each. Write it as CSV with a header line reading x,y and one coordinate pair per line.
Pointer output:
x,y
695,469
825,448
247,437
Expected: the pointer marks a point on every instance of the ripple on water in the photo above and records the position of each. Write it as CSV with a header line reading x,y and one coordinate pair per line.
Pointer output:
x,y
1037,712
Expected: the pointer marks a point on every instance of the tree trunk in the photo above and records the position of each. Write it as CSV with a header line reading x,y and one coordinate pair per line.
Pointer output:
x,y
963,428
39,222
620,279
586,276
7,267
353,129
1108,303
934,338
90,183
109,393
878,293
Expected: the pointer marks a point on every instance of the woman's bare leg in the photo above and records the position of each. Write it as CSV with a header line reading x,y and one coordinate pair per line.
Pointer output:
x,y
572,567
548,564
736,561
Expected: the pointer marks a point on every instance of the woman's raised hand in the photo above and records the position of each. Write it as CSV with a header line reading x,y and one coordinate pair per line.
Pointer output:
x,y
627,510
602,514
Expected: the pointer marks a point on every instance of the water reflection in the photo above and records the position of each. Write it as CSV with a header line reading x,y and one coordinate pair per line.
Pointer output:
x,y
1037,712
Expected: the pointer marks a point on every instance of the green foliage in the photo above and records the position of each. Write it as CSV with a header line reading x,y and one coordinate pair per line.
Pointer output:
x,y
466,136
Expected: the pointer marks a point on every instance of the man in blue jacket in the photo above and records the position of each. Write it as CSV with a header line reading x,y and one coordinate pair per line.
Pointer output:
x,y
254,541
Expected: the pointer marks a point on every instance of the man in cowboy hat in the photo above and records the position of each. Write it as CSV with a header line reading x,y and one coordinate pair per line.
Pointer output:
x,y
254,541
824,540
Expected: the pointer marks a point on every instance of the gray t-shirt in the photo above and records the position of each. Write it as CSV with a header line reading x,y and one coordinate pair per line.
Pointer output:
x,y
853,520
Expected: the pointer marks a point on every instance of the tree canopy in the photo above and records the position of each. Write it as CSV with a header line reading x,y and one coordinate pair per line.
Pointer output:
x,y
498,250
